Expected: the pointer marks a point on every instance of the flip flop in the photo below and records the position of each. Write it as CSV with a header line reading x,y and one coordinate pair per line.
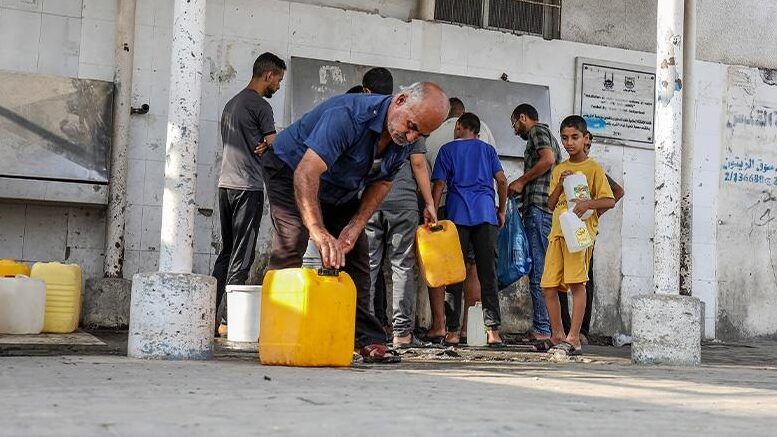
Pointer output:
x,y
434,339
566,348
377,353
542,345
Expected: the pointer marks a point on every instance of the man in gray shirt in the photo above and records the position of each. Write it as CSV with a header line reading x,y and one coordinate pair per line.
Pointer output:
x,y
247,130
391,229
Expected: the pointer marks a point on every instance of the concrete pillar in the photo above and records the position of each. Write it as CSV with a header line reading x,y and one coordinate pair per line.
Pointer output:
x,y
106,299
666,329
124,51
689,126
178,205
106,303
668,134
172,316
172,313
665,325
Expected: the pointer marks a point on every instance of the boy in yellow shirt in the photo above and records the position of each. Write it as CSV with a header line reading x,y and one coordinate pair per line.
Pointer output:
x,y
565,271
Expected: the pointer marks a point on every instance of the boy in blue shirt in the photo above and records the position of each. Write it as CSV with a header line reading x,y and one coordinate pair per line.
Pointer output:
x,y
469,166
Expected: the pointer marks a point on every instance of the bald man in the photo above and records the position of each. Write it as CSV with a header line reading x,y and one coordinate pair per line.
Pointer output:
x,y
349,144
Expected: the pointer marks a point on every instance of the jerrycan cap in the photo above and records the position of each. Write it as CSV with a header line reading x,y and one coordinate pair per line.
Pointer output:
x,y
436,228
328,272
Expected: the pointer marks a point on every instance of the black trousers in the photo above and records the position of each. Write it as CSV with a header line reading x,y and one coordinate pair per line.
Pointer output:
x,y
240,213
566,313
290,239
482,239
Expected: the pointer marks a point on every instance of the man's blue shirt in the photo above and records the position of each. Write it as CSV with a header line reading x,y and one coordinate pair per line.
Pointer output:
x,y
344,131
468,168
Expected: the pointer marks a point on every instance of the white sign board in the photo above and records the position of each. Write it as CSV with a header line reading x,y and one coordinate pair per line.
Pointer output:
x,y
617,100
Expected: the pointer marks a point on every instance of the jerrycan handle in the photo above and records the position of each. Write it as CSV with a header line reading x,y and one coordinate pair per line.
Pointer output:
x,y
436,228
328,272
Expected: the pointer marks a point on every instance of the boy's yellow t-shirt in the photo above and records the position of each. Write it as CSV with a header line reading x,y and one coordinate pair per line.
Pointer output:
x,y
597,184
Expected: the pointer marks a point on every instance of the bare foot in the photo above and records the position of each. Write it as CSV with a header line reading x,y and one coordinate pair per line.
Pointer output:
x,y
534,337
452,338
436,332
493,336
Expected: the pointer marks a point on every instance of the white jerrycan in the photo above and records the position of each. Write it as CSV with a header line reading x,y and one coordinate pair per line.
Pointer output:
x,y
576,188
22,305
575,232
476,326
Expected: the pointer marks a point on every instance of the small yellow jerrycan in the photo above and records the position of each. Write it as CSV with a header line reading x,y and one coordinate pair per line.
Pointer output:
x,y
308,318
63,295
439,254
10,268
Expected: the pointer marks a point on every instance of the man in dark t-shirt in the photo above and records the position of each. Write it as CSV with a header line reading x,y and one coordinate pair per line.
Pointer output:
x,y
247,130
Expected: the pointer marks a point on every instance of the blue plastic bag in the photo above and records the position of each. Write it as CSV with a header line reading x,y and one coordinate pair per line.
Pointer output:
x,y
514,260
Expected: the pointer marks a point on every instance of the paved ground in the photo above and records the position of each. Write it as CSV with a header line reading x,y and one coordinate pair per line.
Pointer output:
x,y
432,393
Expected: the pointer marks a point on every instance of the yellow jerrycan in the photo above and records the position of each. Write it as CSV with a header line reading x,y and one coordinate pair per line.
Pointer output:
x,y
439,254
308,318
10,268
63,295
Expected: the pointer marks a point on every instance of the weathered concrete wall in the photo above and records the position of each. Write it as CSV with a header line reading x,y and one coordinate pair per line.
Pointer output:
x,y
729,31
399,9
623,262
748,184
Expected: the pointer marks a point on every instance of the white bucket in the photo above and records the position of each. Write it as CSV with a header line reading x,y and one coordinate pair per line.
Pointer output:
x,y
243,308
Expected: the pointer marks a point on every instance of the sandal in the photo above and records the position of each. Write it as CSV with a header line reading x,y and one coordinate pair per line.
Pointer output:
x,y
377,353
542,345
434,339
497,345
566,348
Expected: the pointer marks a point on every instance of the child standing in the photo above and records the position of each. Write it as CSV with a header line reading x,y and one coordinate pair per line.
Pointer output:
x,y
566,317
565,271
469,167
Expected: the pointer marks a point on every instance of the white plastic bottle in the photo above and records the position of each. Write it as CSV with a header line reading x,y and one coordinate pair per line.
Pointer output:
x,y
576,188
476,326
575,232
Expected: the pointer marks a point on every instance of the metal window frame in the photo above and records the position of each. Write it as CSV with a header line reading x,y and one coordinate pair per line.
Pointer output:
x,y
551,26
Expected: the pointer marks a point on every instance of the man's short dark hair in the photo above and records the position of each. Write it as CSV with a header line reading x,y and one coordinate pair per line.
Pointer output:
x,y
358,89
379,81
268,62
470,121
456,104
527,110
576,122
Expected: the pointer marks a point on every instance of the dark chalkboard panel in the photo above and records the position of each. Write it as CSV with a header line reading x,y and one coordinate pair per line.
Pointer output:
x,y
313,81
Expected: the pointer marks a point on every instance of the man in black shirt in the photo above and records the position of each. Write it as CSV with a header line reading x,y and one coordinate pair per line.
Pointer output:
x,y
247,130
